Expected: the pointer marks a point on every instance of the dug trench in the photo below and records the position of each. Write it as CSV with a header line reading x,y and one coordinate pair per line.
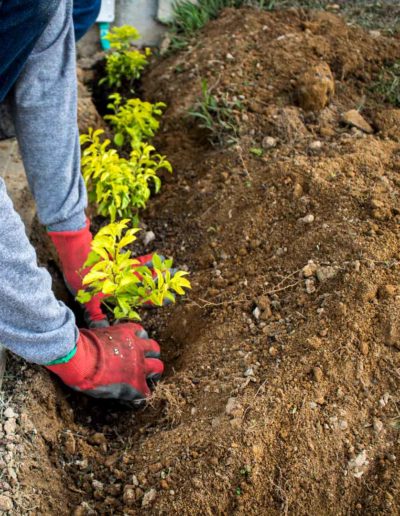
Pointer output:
x,y
281,392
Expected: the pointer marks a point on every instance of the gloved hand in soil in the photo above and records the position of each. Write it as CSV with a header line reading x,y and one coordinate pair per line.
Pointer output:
x,y
119,362
73,248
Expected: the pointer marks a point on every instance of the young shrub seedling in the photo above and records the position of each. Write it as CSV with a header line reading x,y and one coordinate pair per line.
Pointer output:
x,y
125,284
120,187
217,114
134,121
124,63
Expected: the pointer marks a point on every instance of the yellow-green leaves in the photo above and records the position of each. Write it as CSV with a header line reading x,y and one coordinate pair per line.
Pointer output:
x,y
124,63
125,283
134,121
119,186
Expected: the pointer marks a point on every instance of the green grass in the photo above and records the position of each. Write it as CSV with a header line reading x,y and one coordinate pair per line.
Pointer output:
x,y
217,115
190,18
388,84
383,15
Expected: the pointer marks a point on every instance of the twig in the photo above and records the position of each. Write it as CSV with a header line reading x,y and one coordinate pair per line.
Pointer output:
x,y
240,151
254,398
275,290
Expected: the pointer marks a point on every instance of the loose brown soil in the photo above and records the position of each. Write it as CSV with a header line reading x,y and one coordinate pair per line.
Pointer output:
x,y
281,393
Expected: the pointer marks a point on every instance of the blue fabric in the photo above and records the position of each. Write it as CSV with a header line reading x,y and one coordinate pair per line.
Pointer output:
x,y
21,24
85,13
33,324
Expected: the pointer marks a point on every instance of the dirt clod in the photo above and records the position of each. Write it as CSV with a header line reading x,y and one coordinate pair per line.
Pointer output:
x,y
354,119
315,87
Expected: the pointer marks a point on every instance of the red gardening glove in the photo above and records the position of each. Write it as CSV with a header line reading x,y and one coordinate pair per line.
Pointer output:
x,y
73,248
116,362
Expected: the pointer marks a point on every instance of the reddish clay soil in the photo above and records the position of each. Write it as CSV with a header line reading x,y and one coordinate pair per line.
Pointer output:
x,y
281,394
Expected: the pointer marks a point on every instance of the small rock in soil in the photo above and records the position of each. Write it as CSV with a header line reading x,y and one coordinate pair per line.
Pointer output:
x,y
70,443
326,273
364,348
315,146
231,406
358,464
148,237
129,496
377,425
310,286
354,119
249,372
9,413
149,497
317,374
164,485
6,503
10,426
308,219
269,142
314,342
309,270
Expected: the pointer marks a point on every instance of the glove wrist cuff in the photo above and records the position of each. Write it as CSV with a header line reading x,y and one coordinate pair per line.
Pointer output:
x,y
64,359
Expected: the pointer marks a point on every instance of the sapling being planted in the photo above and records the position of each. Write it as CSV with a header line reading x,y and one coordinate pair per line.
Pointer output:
x,y
124,63
124,283
119,186
133,121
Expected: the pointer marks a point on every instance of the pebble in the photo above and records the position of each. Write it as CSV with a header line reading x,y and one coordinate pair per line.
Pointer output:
x,y
164,485
148,237
317,374
364,348
308,219
354,119
384,400
309,270
70,443
256,313
377,425
230,406
326,273
314,342
155,468
315,146
6,503
149,497
359,462
273,351
230,57
249,372
10,426
129,496
264,303
269,142
310,286
9,413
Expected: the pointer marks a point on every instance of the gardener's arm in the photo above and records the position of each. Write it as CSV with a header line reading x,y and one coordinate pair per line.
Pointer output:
x,y
116,362
109,362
